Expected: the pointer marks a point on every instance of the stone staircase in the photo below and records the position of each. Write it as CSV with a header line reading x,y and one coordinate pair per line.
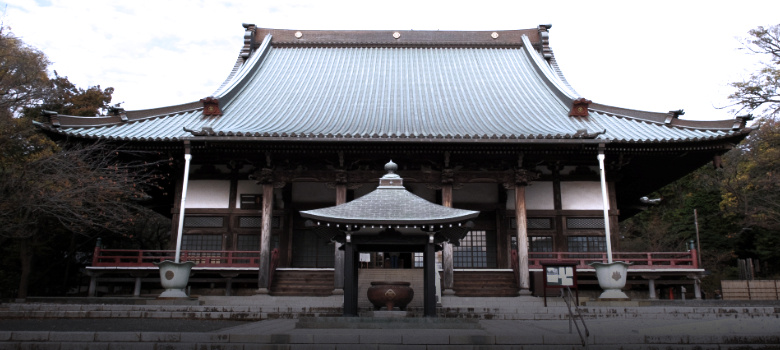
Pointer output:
x,y
485,284
302,283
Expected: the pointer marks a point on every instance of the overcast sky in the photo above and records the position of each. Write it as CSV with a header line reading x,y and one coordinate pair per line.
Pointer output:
x,y
648,55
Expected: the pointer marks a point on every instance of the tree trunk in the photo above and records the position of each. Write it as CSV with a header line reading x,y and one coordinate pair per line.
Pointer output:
x,y
68,261
26,256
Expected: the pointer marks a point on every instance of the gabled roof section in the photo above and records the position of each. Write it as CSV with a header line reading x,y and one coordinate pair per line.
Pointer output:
x,y
404,86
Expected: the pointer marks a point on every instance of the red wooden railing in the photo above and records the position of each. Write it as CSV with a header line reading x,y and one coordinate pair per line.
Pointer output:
x,y
145,258
640,260
221,258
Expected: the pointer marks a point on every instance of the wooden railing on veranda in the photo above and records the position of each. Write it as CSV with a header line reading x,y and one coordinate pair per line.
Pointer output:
x,y
640,260
222,258
145,258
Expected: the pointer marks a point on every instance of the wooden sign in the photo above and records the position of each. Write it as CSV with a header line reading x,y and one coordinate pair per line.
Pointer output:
x,y
560,274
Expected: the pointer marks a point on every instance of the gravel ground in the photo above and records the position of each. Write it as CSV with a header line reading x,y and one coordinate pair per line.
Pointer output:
x,y
116,325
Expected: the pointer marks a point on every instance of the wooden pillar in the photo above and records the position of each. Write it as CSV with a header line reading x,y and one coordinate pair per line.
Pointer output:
x,y
338,259
350,281
265,239
522,239
176,212
448,279
429,279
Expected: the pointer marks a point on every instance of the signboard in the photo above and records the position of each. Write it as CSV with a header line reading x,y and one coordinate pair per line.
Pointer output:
x,y
559,276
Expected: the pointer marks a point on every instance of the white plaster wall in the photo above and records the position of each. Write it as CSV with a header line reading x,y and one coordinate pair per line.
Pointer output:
x,y
581,195
475,194
422,191
538,196
247,187
312,192
208,194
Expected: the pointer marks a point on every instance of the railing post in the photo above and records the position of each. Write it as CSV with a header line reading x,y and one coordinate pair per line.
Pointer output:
x,y
694,257
650,259
96,253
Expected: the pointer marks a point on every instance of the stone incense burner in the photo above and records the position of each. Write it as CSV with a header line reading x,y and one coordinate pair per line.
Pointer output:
x,y
390,294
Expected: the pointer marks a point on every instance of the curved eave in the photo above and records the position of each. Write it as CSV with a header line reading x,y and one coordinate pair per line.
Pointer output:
x,y
347,220
390,206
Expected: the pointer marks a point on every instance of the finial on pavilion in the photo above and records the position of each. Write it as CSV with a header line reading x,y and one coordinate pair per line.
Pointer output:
x,y
391,179
391,167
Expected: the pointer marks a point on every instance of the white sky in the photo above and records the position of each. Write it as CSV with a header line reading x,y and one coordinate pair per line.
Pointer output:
x,y
649,55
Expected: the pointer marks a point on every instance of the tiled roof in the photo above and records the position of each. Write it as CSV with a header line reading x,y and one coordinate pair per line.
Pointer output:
x,y
454,93
388,205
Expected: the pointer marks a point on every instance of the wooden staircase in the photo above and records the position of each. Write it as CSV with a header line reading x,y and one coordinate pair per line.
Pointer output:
x,y
302,283
485,284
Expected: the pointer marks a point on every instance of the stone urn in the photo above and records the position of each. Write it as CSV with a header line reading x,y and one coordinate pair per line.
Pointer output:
x,y
174,278
390,294
612,279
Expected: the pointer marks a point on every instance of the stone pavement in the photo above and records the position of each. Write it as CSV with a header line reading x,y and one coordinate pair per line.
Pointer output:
x,y
725,333
502,323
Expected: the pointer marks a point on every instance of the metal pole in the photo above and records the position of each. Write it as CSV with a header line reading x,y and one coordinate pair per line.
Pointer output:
x,y
698,246
605,201
187,159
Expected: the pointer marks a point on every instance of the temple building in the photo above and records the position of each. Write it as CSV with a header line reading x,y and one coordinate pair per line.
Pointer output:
x,y
482,121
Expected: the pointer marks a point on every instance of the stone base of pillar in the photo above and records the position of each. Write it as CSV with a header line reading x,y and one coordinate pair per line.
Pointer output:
x,y
338,291
448,292
525,292
261,291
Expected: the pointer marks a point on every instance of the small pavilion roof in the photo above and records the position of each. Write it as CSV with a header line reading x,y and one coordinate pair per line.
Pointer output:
x,y
404,86
390,203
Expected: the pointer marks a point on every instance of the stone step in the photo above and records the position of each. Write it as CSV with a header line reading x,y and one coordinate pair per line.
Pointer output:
x,y
245,341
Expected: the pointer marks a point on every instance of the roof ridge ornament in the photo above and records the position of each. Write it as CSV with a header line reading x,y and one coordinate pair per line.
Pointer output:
x,y
579,107
211,107
583,133
674,115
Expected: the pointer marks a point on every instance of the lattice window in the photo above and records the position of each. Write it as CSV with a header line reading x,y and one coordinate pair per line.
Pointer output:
x,y
310,250
533,223
248,242
585,223
257,222
203,221
201,242
250,221
276,222
251,201
418,259
539,223
476,250
540,244
587,244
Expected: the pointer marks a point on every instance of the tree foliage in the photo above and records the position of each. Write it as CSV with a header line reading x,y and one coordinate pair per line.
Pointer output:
x,y
50,191
738,205
760,92
23,75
